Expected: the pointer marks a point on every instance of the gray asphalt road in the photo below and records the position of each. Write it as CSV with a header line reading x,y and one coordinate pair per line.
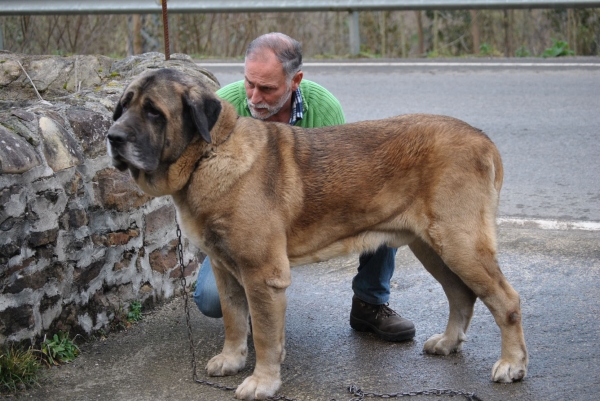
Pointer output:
x,y
545,121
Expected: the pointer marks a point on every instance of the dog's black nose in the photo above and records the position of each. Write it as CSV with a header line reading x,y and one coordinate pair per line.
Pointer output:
x,y
116,135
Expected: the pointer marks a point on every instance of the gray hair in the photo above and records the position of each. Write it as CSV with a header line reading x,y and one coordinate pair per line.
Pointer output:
x,y
287,50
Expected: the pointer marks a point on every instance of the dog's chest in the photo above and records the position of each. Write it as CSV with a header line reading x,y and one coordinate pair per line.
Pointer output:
x,y
189,228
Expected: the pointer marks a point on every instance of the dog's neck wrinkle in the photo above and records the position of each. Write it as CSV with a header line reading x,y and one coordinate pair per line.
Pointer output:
x,y
181,171
225,125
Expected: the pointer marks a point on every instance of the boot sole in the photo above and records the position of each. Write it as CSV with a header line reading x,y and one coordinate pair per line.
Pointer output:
x,y
361,325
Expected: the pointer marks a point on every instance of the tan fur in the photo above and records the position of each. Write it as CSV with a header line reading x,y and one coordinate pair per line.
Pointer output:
x,y
261,197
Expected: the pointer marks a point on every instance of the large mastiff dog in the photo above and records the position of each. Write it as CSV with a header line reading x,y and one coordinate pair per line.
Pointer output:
x,y
260,197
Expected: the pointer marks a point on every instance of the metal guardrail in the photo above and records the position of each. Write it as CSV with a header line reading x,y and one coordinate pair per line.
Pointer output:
x,y
32,7
60,7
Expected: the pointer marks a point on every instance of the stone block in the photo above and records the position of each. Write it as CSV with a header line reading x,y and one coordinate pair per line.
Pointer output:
x,y
67,321
125,261
90,128
73,219
16,155
187,271
88,71
115,238
23,123
9,72
48,302
13,202
9,250
37,239
83,276
20,266
164,259
45,71
17,318
117,191
7,224
60,149
74,186
23,114
146,288
159,219
36,280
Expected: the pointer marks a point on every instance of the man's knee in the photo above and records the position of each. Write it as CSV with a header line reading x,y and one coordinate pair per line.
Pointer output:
x,y
206,295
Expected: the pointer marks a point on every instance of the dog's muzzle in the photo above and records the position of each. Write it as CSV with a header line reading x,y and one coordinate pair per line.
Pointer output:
x,y
116,140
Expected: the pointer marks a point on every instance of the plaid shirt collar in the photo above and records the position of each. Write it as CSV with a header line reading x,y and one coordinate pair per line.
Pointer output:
x,y
297,113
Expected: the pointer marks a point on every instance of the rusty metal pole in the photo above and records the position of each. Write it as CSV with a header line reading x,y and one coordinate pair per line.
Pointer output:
x,y
166,29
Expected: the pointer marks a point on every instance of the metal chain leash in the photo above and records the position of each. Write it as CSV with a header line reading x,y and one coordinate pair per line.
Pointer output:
x,y
361,395
189,328
357,392
187,319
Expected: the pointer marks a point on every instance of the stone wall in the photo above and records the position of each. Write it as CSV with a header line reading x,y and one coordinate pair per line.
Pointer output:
x,y
78,241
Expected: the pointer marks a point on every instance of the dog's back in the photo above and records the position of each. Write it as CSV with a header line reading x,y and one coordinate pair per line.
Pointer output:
x,y
385,175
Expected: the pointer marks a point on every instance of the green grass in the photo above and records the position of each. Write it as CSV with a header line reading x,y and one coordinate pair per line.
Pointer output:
x,y
135,312
59,349
18,369
124,318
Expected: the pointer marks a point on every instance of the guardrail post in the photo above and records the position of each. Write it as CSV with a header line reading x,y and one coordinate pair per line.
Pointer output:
x,y
354,33
1,39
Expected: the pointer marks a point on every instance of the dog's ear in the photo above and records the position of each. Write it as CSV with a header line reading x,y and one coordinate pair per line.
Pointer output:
x,y
204,112
118,111
122,104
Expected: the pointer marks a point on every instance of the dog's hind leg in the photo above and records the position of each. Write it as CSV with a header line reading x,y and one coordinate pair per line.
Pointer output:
x,y
235,318
460,298
471,254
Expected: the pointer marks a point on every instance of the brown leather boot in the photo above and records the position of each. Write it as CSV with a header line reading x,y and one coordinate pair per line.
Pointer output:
x,y
381,320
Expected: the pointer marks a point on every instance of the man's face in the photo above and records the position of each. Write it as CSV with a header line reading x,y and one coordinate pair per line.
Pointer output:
x,y
267,88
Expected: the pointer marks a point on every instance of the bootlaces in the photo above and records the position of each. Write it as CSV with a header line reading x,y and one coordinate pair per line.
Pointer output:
x,y
385,311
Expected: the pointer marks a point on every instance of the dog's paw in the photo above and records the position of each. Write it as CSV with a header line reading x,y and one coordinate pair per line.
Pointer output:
x,y
507,372
225,365
440,344
257,388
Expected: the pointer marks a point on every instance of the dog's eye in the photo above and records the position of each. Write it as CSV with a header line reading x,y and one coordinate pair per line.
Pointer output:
x,y
152,112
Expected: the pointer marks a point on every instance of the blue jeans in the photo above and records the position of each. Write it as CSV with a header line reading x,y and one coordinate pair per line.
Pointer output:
x,y
375,270
371,284
206,295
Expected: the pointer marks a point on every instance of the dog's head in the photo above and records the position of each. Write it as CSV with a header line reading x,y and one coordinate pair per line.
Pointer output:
x,y
159,114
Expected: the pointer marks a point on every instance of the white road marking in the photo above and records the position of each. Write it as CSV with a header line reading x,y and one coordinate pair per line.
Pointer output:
x,y
421,64
549,224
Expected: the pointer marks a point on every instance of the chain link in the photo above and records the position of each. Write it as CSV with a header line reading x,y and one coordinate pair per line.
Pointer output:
x,y
361,395
357,392
185,302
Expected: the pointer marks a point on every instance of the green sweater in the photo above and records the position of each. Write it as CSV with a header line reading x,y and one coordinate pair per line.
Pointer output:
x,y
320,107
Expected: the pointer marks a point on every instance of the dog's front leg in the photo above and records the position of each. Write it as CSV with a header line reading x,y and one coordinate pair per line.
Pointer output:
x,y
235,317
267,300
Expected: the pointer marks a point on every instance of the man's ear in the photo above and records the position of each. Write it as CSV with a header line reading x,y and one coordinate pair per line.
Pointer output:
x,y
296,79
204,112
